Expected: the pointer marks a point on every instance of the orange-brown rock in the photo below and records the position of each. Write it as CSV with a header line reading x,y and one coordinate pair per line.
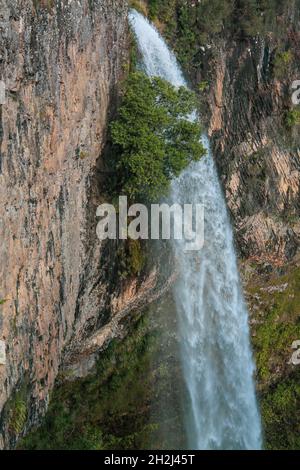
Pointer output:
x,y
61,63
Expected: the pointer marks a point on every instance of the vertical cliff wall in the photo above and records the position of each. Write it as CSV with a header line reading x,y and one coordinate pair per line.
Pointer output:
x,y
256,149
61,63
254,127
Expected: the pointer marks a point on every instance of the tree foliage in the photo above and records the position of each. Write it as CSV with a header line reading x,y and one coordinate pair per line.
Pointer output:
x,y
153,136
189,25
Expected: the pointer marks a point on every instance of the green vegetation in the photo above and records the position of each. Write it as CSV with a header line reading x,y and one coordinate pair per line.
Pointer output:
x,y
133,59
280,412
102,411
2,301
282,63
114,408
18,415
48,4
203,86
164,9
83,155
131,258
137,257
153,138
15,411
277,325
280,326
139,5
293,118
188,26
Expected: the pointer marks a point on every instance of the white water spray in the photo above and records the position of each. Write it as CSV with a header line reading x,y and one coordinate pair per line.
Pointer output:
x,y
213,318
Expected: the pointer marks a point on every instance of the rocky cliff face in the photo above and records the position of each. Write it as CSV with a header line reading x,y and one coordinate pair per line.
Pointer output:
x,y
257,153
61,63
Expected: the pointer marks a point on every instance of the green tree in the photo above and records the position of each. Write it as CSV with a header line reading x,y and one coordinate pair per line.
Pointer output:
x,y
154,138
212,16
282,63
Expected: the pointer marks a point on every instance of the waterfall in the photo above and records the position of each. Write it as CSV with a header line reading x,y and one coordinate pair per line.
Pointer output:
x,y
213,318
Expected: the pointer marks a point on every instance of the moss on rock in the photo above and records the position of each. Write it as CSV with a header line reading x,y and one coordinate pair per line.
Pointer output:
x,y
275,317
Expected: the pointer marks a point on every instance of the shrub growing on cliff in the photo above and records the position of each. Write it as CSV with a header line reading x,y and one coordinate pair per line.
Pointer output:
x,y
293,118
18,415
153,137
282,63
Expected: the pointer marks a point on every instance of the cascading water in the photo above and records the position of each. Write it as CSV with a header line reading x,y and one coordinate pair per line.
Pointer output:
x,y
213,318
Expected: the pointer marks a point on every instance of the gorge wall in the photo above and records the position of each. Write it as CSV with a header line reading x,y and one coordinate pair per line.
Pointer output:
x,y
61,63
256,153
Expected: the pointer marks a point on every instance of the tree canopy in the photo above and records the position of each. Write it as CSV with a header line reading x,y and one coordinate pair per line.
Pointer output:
x,y
153,136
